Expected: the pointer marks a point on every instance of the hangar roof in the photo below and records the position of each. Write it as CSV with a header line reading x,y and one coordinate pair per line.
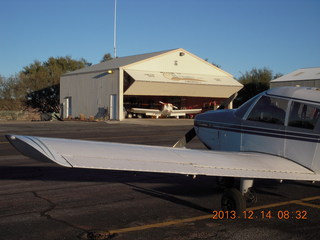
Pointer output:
x,y
302,93
300,75
116,63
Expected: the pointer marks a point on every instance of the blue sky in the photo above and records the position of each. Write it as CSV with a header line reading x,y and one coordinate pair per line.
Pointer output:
x,y
238,35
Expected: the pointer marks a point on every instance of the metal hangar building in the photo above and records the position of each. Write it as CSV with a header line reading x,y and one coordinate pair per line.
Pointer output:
x,y
176,76
304,77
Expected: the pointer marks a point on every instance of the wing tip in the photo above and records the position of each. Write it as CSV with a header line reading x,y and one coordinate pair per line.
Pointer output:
x,y
34,148
25,148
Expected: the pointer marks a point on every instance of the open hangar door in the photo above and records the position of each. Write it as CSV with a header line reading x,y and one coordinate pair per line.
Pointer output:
x,y
153,102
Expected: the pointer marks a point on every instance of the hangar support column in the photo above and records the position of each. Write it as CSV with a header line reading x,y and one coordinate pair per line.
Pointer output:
x,y
120,95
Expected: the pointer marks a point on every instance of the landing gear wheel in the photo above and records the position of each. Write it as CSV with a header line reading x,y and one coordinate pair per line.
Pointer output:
x,y
233,200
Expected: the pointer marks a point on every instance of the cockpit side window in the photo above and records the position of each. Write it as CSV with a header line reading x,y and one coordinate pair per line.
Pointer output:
x,y
269,110
303,115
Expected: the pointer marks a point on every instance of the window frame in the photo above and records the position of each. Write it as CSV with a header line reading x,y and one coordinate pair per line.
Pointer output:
x,y
248,105
316,127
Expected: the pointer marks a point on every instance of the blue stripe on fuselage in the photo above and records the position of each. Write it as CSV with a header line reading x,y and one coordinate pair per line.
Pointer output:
x,y
277,133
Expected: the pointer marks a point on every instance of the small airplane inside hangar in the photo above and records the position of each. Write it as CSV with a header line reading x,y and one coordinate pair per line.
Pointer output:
x,y
145,81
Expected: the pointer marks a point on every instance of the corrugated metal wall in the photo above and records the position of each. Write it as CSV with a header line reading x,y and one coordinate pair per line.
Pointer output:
x,y
89,92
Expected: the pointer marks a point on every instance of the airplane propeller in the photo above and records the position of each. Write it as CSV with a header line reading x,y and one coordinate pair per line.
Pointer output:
x,y
185,139
173,106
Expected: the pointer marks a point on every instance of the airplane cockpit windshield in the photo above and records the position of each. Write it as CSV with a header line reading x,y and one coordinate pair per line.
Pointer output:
x,y
241,111
269,110
272,110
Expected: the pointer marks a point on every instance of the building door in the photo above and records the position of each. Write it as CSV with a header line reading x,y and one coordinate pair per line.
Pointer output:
x,y
113,107
67,107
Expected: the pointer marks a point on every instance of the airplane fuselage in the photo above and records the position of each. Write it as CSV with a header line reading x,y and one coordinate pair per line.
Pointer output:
x,y
283,122
166,109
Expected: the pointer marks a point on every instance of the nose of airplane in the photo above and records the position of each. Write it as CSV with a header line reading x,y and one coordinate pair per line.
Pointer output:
x,y
222,116
205,116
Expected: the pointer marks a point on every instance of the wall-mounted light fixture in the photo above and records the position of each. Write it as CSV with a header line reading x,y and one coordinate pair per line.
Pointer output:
x,y
110,71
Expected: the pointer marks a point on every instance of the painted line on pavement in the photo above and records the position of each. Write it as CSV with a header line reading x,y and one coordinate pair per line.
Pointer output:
x,y
162,224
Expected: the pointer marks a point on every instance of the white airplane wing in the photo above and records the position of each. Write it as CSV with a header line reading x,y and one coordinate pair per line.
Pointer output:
x,y
129,157
187,111
145,110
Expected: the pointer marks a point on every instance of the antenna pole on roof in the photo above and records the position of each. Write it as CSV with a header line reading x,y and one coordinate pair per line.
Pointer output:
x,y
115,29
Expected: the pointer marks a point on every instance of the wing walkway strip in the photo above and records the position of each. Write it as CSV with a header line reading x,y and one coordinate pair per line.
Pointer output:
x,y
199,218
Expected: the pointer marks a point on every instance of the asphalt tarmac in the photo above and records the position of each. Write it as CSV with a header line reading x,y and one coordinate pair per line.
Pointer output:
x,y
45,201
